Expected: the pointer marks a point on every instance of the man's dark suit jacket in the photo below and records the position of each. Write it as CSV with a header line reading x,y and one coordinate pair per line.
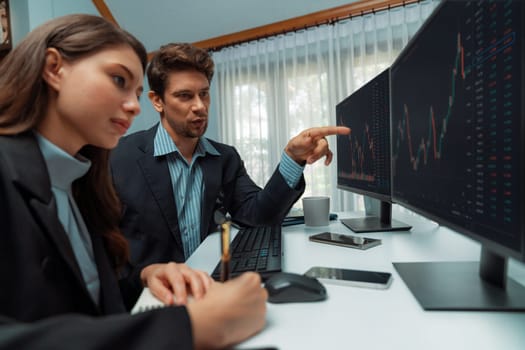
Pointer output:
x,y
150,216
44,303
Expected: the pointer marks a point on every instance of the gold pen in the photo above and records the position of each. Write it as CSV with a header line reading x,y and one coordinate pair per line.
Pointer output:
x,y
225,247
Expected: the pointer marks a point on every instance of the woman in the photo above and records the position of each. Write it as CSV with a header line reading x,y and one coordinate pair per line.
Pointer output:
x,y
68,92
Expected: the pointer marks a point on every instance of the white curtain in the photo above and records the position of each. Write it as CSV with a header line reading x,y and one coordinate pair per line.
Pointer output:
x,y
269,90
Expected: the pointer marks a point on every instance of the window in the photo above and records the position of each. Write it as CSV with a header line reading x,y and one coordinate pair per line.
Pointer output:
x,y
269,90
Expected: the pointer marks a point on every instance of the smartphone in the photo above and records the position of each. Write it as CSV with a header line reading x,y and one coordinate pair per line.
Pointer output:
x,y
358,242
357,278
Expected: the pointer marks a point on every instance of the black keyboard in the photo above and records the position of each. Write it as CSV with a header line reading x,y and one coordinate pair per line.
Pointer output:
x,y
254,249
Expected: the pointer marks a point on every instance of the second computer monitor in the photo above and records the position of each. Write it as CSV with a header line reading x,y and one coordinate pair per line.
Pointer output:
x,y
458,149
363,157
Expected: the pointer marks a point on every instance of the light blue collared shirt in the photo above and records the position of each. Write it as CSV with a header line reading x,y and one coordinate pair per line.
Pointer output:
x,y
63,170
188,185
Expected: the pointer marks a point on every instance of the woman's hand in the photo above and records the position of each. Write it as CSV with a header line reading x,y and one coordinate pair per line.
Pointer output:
x,y
172,283
229,313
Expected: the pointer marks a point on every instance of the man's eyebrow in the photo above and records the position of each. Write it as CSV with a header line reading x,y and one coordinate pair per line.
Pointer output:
x,y
182,91
189,91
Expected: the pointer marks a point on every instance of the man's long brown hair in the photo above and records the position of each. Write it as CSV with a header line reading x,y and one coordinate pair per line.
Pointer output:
x,y
24,97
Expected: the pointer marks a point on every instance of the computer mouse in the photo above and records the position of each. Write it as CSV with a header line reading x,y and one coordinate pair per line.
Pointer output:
x,y
286,287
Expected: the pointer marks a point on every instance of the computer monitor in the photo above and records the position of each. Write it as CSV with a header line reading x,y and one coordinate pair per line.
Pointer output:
x,y
363,157
458,148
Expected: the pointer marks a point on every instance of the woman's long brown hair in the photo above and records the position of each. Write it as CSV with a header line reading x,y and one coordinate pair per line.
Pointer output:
x,y
24,97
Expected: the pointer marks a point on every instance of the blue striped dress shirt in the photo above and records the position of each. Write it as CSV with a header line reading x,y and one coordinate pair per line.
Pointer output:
x,y
188,185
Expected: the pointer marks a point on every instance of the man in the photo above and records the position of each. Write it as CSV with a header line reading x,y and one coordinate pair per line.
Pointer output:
x,y
171,179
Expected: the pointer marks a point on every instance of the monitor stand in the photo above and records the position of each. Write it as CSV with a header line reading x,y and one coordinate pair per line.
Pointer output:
x,y
464,286
375,224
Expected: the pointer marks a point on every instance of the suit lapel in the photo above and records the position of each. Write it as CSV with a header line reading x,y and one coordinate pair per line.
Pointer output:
x,y
212,197
157,175
31,178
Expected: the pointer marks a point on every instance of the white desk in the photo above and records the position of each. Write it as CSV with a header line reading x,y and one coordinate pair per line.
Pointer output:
x,y
359,318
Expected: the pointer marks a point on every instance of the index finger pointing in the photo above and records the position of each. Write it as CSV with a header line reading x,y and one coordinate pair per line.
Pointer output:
x,y
323,131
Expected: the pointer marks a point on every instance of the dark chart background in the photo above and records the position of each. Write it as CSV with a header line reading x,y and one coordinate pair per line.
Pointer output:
x,y
363,157
456,119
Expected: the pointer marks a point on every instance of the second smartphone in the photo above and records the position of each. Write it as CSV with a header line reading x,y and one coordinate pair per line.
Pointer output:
x,y
358,278
345,240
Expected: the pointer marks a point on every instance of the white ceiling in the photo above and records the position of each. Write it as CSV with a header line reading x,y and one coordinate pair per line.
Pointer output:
x,y
156,22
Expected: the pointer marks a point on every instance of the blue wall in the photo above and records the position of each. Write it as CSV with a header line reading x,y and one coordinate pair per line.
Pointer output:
x,y
19,19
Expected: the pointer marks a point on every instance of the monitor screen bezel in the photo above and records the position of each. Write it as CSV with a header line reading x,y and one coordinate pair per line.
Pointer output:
x,y
375,195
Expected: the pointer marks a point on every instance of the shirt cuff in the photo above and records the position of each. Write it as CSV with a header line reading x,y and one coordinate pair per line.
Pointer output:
x,y
290,170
